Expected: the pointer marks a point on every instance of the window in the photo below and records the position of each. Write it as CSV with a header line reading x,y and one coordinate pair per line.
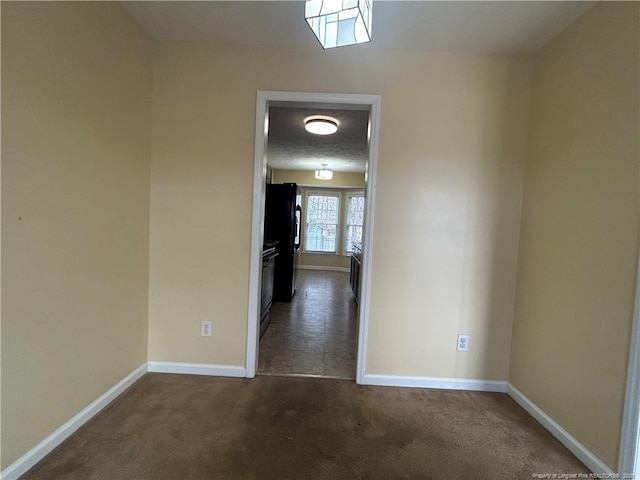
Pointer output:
x,y
322,222
354,220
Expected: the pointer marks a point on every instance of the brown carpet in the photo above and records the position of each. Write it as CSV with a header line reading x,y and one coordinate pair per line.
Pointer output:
x,y
194,427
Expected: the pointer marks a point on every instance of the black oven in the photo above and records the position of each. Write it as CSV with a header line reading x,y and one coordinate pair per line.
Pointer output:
x,y
269,255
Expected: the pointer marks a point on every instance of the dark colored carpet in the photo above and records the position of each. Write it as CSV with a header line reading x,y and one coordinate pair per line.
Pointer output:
x,y
193,427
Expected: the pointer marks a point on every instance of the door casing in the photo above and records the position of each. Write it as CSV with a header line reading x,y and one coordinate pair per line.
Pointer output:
x,y
265,99
629,457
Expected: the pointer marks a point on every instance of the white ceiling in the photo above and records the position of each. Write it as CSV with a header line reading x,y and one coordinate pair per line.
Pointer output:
x,y
476,26
452,26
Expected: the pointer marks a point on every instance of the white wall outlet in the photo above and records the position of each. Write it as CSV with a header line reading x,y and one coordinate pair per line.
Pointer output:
x,y
463,343
205,328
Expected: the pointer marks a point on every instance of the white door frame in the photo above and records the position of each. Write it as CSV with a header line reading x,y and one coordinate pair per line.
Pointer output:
x,y
263,100
629,458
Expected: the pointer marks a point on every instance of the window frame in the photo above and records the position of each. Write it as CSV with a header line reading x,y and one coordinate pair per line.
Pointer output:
x,y
319,193
348,195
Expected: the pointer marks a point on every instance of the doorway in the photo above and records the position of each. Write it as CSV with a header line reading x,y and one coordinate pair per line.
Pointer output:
x,y
266,100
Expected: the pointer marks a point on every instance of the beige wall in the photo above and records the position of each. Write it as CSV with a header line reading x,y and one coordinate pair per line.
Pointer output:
x,y
452,148
307,178
76,108
321,261
579,240
76,142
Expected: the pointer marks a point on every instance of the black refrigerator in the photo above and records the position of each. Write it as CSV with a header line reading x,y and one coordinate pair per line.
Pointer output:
x,y
283,216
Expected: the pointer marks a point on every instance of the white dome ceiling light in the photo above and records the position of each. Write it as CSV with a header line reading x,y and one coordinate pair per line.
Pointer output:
x,y
321,125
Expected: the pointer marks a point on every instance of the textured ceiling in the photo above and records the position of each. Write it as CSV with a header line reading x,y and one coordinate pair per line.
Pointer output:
x,y
475,26
291,147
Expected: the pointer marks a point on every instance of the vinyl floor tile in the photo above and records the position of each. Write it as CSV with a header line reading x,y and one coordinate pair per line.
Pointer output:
x,y
287,361
315,333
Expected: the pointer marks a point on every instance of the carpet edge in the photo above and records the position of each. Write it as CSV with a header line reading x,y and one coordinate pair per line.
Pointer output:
x,y
44,447
573,445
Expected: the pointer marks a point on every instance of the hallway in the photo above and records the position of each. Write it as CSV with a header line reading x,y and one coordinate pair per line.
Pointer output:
x,y
316,333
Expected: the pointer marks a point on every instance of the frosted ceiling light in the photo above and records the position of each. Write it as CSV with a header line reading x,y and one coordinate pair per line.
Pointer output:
x,y
324,174
321,125
337,23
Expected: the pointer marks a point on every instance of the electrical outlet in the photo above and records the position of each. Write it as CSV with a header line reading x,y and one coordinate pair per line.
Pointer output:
x,y
205,328
463,343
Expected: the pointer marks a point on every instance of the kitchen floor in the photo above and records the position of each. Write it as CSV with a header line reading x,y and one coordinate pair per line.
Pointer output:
x,y
314,334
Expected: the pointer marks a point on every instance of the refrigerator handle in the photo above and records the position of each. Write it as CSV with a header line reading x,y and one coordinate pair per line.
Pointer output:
x,y
298,226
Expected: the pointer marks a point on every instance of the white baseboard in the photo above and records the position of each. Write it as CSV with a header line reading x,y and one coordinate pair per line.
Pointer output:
x,y
435,382
37,453
320,267
197,369
592,462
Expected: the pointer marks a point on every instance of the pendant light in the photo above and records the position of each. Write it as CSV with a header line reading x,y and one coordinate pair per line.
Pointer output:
x,y
324,174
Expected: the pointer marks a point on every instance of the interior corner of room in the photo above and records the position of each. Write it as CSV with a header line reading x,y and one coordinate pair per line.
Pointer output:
x,y
504,255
